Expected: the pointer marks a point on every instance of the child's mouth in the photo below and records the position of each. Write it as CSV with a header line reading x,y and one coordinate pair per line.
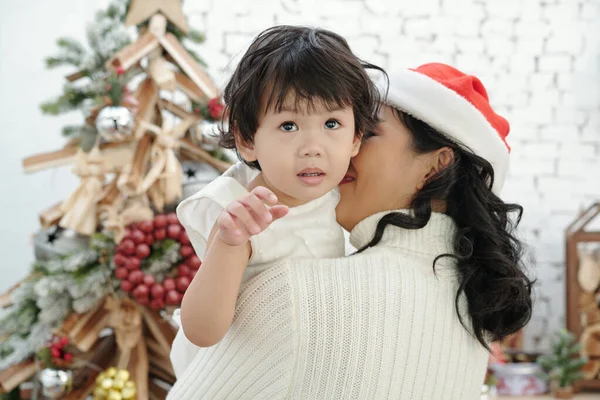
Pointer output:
x,y
311,176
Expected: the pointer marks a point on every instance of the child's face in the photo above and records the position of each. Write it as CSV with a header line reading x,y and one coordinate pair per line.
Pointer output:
x,y
303,153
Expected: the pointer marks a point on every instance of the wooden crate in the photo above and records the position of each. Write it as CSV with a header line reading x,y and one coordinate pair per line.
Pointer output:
x,y
577,233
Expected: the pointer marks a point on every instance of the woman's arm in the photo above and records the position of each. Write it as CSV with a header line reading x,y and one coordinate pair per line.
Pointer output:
x,y
209,302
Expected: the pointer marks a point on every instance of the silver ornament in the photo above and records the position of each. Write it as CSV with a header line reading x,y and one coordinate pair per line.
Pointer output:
x,y
115,124
196,175
55,383
55,242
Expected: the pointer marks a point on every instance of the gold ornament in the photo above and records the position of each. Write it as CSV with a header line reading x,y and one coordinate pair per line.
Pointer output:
x,y
114,384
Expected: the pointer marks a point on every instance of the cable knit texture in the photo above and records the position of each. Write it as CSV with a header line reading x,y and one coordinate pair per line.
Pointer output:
x,y
377,325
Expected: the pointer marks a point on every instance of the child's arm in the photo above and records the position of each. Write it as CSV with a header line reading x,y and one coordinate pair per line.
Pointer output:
x,y
209,303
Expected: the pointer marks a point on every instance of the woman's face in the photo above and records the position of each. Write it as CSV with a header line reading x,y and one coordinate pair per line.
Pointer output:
x,y
385,175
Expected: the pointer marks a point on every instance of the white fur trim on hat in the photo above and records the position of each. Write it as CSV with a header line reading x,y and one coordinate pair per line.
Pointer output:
x,y
451,114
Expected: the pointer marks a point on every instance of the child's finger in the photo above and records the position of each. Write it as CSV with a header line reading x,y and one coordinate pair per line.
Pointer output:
x,y
279,211
258,209
239,211
265,195
228,224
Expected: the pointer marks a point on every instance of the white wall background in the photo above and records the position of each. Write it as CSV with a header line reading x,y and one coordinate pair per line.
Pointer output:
x,y
540,60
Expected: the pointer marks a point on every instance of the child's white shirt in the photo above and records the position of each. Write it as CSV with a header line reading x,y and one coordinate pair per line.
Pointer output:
x,y
307,231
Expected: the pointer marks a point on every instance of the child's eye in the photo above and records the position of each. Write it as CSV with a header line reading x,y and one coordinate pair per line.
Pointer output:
x,y
332,124
288,127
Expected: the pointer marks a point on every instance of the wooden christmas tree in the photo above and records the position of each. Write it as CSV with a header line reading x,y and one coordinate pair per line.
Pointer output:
x,y
129,176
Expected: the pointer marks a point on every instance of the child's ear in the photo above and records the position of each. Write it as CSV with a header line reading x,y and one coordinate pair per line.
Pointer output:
x,y
356,145
245,149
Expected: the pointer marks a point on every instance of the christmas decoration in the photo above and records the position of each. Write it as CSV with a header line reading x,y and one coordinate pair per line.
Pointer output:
x,y
114,384
129,169
562,365
55,383
210,111
589,271
147,258
115,124
196,176
57,242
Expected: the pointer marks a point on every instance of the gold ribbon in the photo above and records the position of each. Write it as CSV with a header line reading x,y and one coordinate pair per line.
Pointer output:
x,y
80,208
164,180
126,321
117,216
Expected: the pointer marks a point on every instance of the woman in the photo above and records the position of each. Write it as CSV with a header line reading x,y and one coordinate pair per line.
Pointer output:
x,y
437,277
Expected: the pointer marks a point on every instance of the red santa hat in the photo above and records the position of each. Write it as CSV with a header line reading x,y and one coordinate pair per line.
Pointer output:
x,y
457,105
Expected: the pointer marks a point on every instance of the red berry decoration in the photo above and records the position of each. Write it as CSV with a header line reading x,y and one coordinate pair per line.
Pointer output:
x,y
121,273
172,219
68,357
160,221
174,231
131,268
138,237
55,352
169,284
194,262
186,251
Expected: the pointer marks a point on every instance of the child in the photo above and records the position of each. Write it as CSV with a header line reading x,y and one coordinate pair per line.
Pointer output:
x,y
298,104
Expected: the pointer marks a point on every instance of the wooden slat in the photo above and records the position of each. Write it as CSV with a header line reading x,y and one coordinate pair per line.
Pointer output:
x,y
190,66
176,109
132,54
199,154
187,86
161,330
67,155
13,376
147,96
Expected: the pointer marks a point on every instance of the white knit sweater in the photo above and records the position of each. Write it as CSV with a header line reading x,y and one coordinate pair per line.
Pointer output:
x,y
377,325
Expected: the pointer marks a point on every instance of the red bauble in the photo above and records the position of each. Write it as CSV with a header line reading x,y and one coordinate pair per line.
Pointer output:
x,y
142,250
182,283
173,298
120,70
160,234
147,226
157,304
174,231
184,239
193,273
157,291
126,286
169,284
140,291
136,277
149,239
68,357
128,247
133,263
138,237
121,273
186,251
55,352
160,221
194,262
172,219
63,341
119,260
149,280
183,270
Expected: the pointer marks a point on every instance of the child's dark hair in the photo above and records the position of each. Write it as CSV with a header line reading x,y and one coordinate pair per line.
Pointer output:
x,y
488,254
315,65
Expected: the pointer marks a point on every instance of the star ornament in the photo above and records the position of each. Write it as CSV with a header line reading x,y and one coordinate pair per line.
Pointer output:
x,y
142,10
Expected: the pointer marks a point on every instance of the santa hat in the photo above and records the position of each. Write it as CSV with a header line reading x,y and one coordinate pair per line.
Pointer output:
x,y
456,105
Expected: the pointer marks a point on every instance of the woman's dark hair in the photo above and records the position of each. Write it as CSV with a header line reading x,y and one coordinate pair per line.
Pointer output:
x,y
315,65
488,254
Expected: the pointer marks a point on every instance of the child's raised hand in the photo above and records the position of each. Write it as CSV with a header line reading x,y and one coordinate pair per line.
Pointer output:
x,y
249,216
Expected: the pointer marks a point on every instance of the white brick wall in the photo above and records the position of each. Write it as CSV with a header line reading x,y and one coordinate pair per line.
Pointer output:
x,y
538,58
